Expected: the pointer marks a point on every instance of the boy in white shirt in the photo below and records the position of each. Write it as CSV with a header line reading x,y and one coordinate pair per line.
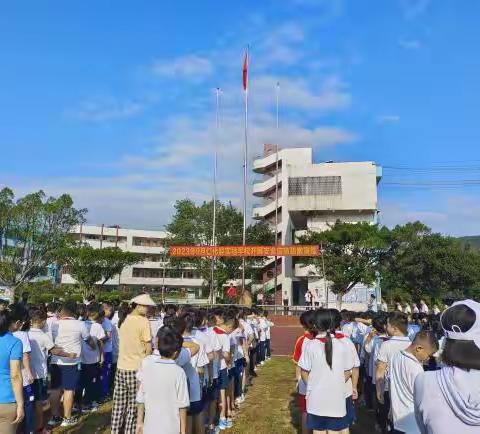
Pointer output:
x,y
404,368
163,391
91,358
41,345
397,329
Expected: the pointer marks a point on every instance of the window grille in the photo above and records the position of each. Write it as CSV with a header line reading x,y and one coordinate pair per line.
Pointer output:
x,y
315,186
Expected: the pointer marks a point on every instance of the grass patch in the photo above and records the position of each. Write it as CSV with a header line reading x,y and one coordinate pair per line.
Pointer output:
x,y
93,423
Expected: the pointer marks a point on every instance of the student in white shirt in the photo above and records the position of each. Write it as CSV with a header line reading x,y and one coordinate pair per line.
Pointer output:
x,y
397,329
270,324
404,368
91,359
163,396
423,307
326,366
41,345
65,372
447,401
107,364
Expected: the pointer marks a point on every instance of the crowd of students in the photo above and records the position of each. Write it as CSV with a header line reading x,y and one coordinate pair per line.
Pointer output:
x,y
185,368
418,373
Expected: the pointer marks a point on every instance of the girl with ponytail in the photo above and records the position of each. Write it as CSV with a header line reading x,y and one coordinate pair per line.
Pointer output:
x,y
325,367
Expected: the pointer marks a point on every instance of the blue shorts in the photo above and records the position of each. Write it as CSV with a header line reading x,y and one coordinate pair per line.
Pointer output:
x,y
65,377
196,407
325,423
351,412
231,373
223,379
213,391
40,389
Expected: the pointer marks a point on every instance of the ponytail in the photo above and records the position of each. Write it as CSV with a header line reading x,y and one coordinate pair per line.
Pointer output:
x,y
328,349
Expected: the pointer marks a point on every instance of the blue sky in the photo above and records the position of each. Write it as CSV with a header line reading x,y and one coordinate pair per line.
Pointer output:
x,y
113,101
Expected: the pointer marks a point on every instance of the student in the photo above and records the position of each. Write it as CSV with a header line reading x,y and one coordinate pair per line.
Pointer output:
x,y
106,313
51,326
41,346
270,324
397,325
448,400
307,320
19,327
226,323
65,371
163,392
326,366
308,299
404,368
11,390
213,389
90,383
135,344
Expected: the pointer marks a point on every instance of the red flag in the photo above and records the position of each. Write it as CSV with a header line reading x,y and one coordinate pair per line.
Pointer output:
x,y
245,71
232,292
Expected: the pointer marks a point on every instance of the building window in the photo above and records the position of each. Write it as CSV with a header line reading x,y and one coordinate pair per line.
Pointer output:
x,y
147,242
315,186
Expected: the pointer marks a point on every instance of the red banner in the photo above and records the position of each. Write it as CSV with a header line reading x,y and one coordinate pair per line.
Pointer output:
x,y
244,251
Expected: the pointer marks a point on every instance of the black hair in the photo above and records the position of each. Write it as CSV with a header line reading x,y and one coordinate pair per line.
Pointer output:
x,y
307,320
69,308
190,319
459,353
170,341
347,315
19,313
426,336
171,309
52,307
230,318
200,316
123,311
37,315
399,320
336,319
5,321
325,321
179,324
379,322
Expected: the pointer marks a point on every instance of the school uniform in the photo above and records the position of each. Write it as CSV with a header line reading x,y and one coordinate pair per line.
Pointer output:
x,y
28,394
326,404
106,368
90,382
268,350
300,344
213,391
224,341
262,326
164,391
200,337
404,369
237,337
194,386
41,344
355,360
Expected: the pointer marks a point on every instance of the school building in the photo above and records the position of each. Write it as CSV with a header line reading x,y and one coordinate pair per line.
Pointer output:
x,y
310,197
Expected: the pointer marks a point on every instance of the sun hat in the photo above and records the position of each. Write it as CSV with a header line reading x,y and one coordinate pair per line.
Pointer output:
x,y
143,299
473,334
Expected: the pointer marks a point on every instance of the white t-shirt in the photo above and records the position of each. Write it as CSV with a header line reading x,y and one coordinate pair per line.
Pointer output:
x,y
190,369
107,327
201,338
308,297
377,342
351,352
51,326
269,326
388,349
95,330
23,336
115,342
41,344
163,390
155,325
404,368
184,356
224,341
326,387
70,334
215,345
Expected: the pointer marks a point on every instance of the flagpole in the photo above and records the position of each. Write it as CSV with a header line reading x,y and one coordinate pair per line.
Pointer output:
x,y
245,168
277,92
215,161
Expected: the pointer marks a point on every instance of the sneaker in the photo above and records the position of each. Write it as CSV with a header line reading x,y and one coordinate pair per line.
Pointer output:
x,y
69,422
229,423
222,424
238,402
54,421
242,398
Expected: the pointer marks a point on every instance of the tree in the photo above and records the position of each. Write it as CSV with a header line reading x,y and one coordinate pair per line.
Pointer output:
x,y
32,229
94,267
351,253
426,264
192,225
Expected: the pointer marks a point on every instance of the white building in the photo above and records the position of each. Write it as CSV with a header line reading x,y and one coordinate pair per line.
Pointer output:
x,y
311,196
153,272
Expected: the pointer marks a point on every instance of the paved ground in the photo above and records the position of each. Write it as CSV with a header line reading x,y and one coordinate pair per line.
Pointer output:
x,y
284,335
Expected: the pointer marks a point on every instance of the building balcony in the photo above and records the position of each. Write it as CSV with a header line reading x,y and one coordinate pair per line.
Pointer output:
x,y
265,164
260,212
262,188
146,249
302,270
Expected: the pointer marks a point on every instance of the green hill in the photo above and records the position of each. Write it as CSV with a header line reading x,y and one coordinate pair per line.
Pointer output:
x,y
473,240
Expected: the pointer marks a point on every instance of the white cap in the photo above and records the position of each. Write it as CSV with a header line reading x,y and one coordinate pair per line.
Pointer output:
x,y
473,334
143,299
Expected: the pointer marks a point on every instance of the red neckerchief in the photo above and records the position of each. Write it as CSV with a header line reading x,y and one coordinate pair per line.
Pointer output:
x,y
337,335
219,331
308,335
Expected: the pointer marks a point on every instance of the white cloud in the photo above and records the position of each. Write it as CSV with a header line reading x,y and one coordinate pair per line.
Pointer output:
x,y
388,119
414,8
191,66
410,44
106,109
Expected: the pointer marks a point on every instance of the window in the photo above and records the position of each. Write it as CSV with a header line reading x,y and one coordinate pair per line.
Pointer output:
x,y
147,242
315,186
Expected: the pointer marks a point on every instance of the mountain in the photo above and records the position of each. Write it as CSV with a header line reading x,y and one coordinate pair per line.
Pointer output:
x,y
473,240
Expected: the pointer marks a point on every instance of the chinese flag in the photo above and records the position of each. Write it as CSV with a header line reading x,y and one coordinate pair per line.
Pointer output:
x,y
232,292
245,71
